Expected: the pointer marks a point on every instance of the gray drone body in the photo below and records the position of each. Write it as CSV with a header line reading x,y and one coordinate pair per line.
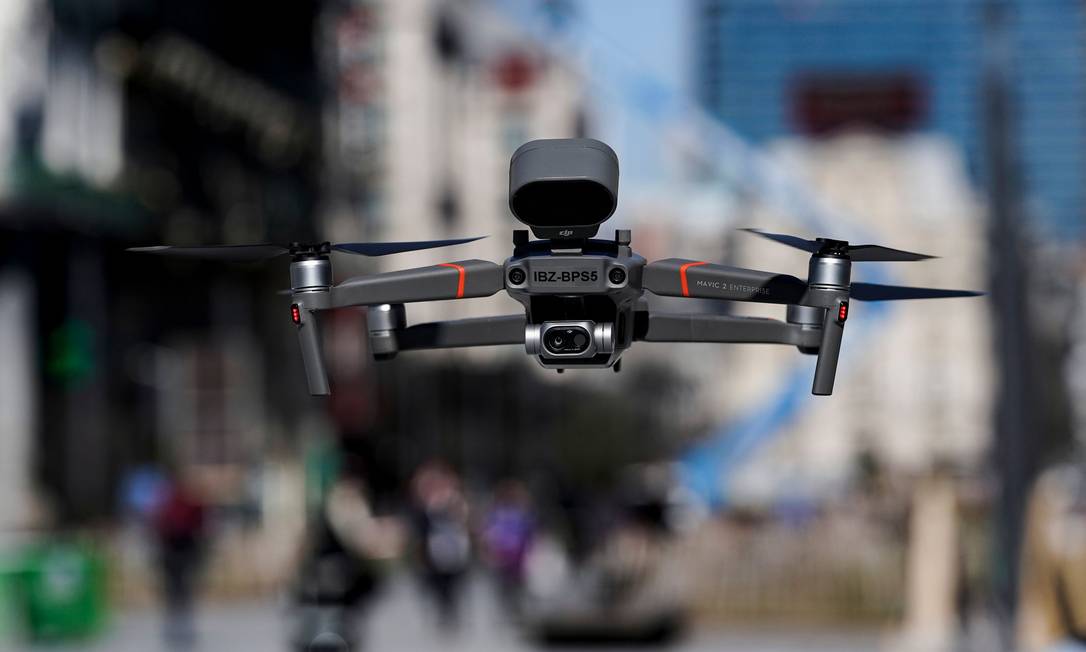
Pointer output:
x,y
583,298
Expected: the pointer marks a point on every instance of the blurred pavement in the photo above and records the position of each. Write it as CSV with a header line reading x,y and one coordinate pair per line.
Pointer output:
x,y
400,623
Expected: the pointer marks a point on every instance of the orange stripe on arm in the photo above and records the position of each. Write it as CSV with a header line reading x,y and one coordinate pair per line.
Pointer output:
x,y
682,276
463,275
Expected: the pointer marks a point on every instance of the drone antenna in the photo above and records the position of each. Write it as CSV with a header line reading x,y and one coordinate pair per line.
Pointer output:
x,y
623,238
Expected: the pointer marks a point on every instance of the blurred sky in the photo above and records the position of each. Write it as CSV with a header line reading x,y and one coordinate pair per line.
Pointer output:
x,y
650,30
640,45
635,52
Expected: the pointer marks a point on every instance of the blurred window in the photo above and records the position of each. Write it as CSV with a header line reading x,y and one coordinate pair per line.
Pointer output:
x,y
448,207
826,103
447,38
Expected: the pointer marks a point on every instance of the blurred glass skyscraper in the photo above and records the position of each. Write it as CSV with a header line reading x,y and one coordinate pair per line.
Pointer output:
x,y
775,67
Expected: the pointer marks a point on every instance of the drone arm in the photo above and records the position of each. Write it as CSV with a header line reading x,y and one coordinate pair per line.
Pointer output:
x,y
484,331
675,277
460,280
468,278
309,337
657,327
829,350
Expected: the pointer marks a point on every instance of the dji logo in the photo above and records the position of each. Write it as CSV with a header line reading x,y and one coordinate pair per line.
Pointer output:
x,y
565,232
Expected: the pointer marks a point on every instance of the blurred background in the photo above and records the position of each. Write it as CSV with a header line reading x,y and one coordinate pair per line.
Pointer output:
x,y
166,481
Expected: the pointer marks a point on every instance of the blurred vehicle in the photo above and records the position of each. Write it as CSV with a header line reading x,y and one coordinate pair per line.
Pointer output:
x,y
629,588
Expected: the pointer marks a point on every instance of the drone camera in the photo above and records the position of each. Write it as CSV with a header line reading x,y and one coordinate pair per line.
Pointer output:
x,y
565,340
563,188
570,340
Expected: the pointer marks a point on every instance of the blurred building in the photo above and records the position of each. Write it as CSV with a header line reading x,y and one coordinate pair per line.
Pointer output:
x,y
876,110
449,91
914,388
141,122
795,67
136,123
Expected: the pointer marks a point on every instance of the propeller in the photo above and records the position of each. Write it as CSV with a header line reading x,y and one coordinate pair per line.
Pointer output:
x,y
867,253
856,253
248,253
876,292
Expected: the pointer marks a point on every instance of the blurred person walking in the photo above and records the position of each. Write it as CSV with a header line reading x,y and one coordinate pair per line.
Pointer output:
x,y
443,540
1052,591
341,571
508,532
179,528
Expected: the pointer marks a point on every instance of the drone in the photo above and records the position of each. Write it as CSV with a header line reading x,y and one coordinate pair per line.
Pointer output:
x,y
584,298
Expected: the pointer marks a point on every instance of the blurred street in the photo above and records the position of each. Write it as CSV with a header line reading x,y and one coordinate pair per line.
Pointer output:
x,y
285,289
395,626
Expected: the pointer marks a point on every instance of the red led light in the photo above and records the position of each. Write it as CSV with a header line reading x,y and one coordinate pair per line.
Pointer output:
x,y
842,312
295,313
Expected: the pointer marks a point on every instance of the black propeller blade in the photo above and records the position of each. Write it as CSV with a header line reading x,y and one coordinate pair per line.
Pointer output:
x,y
257,252
857,253
227,253
386,248
876,292
810,246
869,253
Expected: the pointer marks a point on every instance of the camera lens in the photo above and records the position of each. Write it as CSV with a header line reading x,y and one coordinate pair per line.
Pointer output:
x,y
516,276
568,340
617,275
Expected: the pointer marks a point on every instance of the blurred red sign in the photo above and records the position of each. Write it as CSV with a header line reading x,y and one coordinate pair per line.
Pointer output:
x,y
515,72
824,103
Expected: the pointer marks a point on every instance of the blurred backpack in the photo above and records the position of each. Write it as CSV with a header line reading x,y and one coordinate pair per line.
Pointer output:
x,y
179,519
448,545
509,535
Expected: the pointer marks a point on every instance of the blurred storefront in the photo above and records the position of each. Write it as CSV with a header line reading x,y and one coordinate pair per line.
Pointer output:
x,y
151,123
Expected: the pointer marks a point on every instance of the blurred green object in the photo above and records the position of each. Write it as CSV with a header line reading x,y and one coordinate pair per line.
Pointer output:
x,y
12,602
71,352
67,200
53,592
323,460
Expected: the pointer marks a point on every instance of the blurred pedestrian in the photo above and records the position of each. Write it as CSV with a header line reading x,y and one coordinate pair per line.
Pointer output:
x,y
508,532
179,528
1052,601
341,572
443,538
